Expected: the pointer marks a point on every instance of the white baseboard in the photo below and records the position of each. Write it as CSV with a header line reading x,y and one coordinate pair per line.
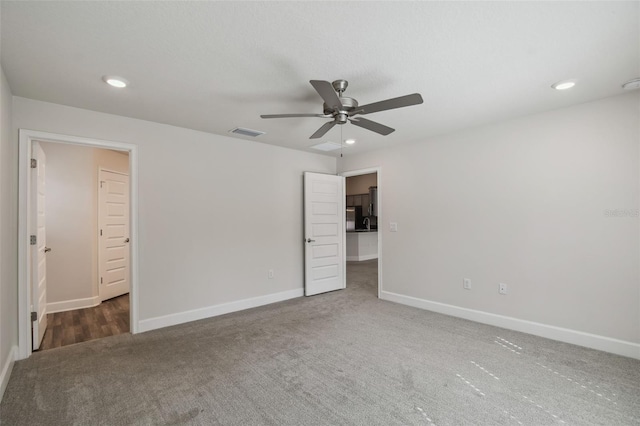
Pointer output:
x,y
215,310
361,258
6,370
69,305
593,341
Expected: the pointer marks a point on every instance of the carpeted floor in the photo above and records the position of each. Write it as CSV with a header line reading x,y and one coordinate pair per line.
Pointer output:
x,y
342,358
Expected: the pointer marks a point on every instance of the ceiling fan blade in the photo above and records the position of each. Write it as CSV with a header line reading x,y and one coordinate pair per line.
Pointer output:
x,y
293,115
326,91
372,125
402,101
322,130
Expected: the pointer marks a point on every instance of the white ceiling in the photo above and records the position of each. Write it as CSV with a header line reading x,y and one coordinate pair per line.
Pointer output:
x,y
213,66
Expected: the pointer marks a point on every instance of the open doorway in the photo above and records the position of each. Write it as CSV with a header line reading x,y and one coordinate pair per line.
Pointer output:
x,y
86,232
362,237
84,196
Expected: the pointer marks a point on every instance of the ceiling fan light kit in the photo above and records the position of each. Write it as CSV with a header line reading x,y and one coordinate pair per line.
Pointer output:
x,y
343,109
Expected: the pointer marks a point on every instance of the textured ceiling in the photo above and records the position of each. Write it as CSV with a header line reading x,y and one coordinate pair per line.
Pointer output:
x,y
213,66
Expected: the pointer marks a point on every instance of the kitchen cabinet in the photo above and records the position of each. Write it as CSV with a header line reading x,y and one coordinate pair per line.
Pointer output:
x,y
362,246
359,200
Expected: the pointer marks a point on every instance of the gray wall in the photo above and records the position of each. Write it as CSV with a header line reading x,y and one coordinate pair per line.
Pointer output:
x,y
8,231
216,213
523,202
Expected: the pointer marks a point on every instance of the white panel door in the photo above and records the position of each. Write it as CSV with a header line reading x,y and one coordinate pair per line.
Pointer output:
x,y
113,221
324,222
39,249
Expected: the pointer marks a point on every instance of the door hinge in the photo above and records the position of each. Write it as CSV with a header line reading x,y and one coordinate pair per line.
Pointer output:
x,y
34,316
100,280
101,232
34,163
33,240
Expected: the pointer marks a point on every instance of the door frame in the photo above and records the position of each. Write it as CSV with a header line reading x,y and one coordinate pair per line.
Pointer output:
x,y
378,171
26,138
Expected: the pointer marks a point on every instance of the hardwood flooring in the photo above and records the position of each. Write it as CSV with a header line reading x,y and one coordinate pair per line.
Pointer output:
x,y
109,318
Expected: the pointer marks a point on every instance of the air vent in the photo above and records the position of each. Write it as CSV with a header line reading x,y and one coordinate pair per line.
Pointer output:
x,y
327,146
632,84
246,132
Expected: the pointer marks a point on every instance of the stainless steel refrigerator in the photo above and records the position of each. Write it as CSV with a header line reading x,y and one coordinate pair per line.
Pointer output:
x,y
373,201
354,218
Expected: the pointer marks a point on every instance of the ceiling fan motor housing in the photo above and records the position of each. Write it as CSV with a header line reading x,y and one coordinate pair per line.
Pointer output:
x,y
349,104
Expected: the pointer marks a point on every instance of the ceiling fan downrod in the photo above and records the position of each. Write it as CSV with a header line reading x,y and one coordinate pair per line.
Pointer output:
x,y
340,86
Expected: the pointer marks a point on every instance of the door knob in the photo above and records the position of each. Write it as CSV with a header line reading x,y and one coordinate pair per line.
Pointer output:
x,y
47,249
126,241
309,240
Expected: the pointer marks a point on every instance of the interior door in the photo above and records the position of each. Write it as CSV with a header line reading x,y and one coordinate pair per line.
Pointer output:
x,y
324,222
39,249
113,221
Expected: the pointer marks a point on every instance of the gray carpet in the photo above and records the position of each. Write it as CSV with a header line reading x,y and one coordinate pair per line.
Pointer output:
x,y
342,358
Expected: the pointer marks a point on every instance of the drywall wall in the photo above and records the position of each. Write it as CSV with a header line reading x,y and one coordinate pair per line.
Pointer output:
x,y
8,236
547,204
215,213
114,161
70,222
360,184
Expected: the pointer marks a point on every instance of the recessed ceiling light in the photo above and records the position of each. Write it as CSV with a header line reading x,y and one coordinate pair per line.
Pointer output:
x,y
350,141
114,81
632,84
564,85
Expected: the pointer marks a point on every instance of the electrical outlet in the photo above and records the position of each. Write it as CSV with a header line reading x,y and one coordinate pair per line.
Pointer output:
x,y
270,274
466,283
502,288
393,226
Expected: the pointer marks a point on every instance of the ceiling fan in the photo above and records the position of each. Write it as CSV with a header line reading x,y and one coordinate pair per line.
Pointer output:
x,y
342,109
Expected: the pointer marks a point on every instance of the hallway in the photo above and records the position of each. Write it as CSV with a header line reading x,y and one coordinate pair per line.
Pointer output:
x,y
109,318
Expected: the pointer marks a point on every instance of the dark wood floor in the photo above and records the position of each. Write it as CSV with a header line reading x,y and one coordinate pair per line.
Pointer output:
x,y
109,318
